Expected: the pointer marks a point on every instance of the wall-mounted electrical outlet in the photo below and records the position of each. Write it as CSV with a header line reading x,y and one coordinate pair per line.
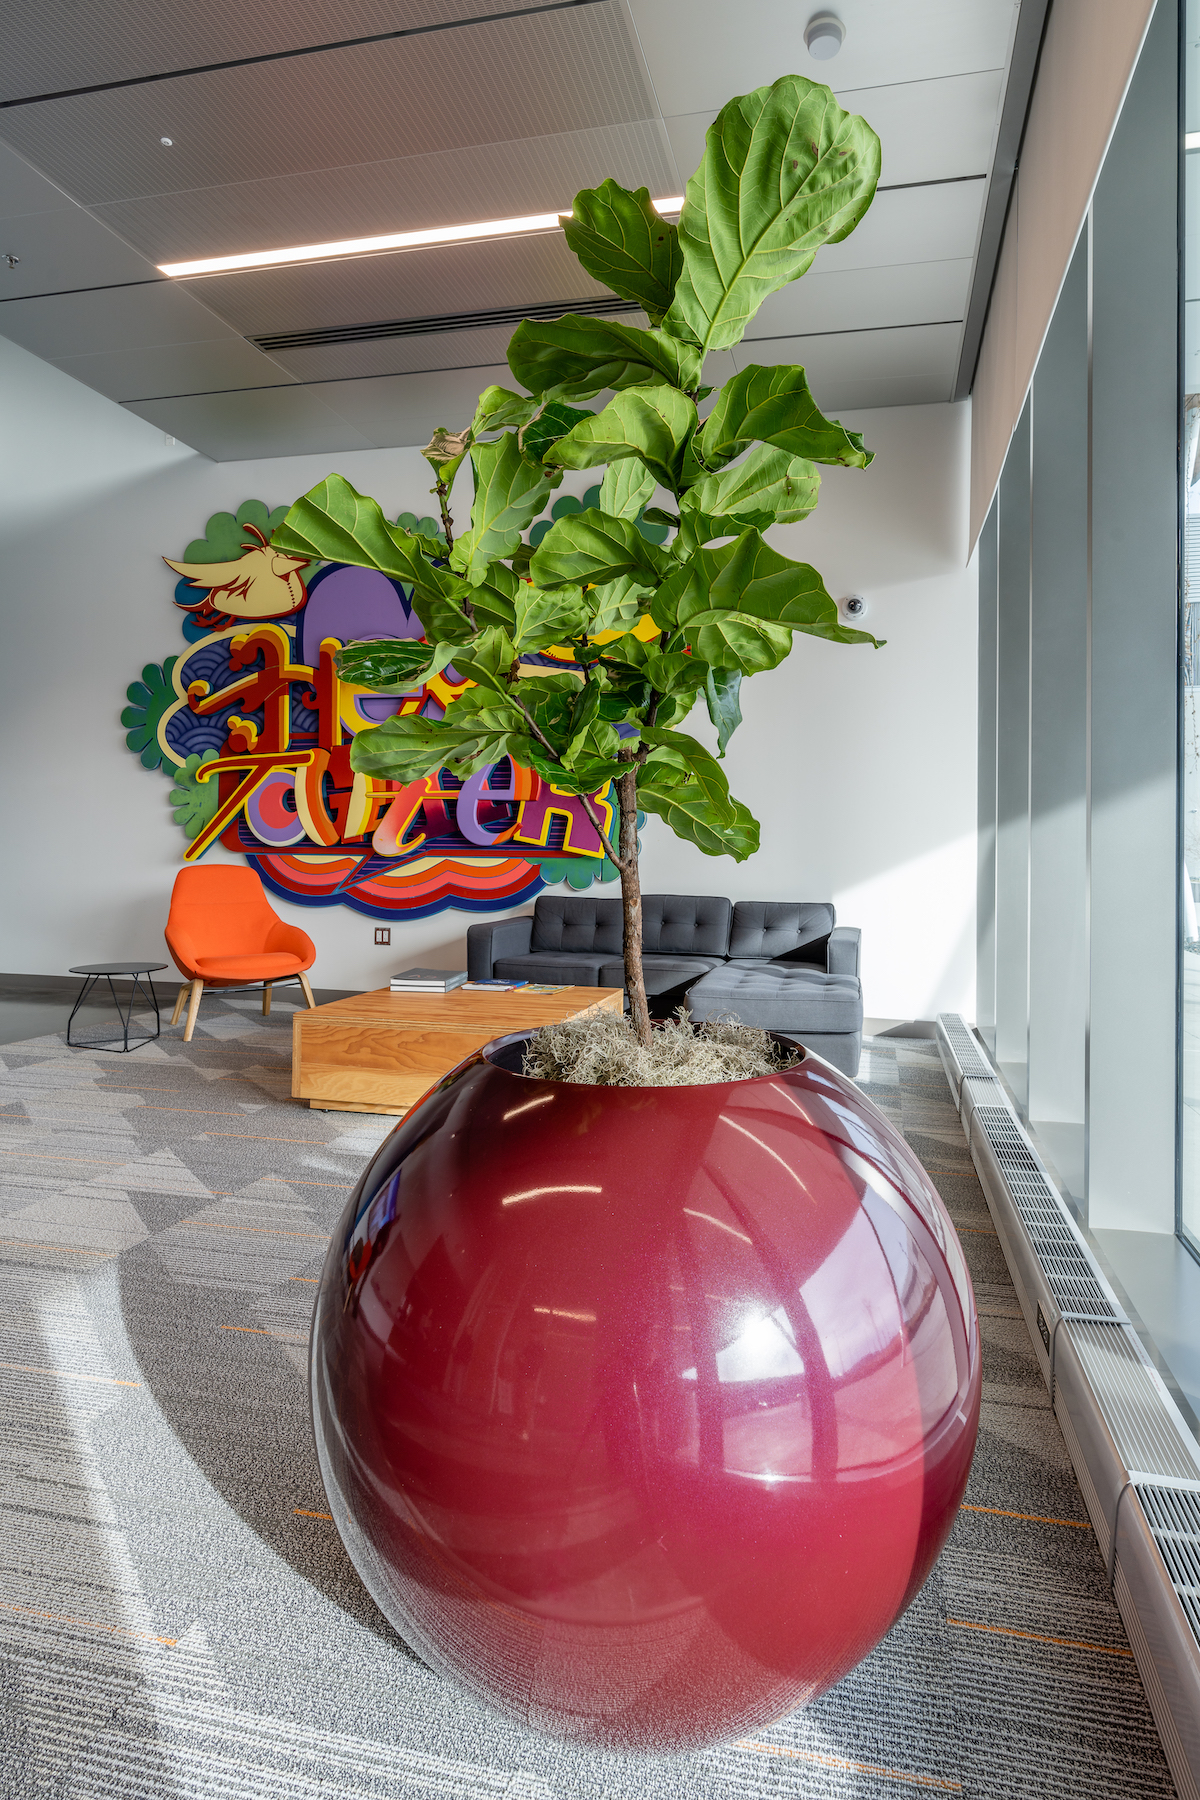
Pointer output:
x,y
383,934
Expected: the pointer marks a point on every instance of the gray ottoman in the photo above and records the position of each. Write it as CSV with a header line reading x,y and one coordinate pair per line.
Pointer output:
x,y
823,1012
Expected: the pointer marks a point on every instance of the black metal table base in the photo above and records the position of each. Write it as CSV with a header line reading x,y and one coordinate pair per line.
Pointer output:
x,y
125,1017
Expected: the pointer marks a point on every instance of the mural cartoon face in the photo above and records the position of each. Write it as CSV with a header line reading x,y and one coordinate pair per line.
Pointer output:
x,y
254,725
262,584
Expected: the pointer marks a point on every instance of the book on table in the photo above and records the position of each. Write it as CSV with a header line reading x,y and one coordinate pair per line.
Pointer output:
x,y
493,987
427,981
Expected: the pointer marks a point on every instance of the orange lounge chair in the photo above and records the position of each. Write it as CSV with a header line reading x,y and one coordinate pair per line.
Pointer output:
x,y
222,933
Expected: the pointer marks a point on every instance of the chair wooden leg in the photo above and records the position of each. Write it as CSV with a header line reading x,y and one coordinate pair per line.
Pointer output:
x,y
185,988
308,993
193,1009
266,999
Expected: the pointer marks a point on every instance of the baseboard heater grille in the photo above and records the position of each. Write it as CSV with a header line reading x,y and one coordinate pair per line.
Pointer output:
x,y
1136,1458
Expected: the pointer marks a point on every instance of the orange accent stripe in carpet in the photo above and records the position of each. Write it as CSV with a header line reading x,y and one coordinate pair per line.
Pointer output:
x,y
1002,1512
939,1783
1038,1637
289,1337
303,1512
258,1230
69,1375
35,1612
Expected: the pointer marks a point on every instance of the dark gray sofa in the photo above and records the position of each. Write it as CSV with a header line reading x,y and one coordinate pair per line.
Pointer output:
x,y
783,964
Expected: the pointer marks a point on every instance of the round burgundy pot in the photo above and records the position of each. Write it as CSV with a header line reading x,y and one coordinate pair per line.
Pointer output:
x,y
644,1412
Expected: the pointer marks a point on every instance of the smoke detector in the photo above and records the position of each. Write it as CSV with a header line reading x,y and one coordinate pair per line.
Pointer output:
x,y
824,35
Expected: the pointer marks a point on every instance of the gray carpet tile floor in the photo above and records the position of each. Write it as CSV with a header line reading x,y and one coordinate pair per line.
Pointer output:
x,y
177,1615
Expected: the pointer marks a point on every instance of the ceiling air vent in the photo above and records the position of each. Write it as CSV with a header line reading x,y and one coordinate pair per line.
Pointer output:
x,y
600,306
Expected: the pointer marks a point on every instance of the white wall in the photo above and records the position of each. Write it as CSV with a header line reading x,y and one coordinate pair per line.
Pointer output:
x,y
860,764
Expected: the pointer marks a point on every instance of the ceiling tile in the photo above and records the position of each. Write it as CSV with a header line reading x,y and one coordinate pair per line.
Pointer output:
x,y
925,224
414,284
66,250
55,44
565,71
503,181
864,299
23,190
928,129
123,318
871,368
402,410
700,52
172,370
282,421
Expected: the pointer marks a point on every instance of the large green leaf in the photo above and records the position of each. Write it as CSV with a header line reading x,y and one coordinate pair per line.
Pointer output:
x,y
768,488
773,405
736,605
619,604
553,422
674,753
333,522
545,619
652,424
392,665
499,409
593,547
785,170
487,659
684,808
626,487
622,241
722,690
575,358
408,746
510,491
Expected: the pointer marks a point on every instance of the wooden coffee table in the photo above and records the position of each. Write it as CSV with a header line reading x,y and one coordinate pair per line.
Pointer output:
x,y
379,1052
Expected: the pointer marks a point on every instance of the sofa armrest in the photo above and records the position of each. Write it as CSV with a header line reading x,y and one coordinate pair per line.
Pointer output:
x,y
841,953
499,937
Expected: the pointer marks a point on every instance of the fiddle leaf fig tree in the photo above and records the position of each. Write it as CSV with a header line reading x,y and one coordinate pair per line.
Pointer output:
x,y
652,629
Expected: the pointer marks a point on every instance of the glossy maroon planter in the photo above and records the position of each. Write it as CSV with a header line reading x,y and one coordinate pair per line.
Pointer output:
x,y
644,1412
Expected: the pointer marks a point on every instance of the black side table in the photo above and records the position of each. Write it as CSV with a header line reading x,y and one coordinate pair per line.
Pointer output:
x,y
95,972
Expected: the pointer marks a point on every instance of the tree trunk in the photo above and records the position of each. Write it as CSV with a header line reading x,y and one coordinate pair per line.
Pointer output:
x,y
631,904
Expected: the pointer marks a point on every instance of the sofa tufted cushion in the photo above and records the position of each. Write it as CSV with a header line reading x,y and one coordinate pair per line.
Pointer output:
x,y
577,923
797,930
788,998
686,925
560,969
661,972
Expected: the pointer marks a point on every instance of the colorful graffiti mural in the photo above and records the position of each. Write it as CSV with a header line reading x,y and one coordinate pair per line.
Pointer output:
x,y
253,725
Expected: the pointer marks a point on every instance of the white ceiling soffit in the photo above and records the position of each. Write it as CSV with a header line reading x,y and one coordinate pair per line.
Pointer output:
x,y
309,122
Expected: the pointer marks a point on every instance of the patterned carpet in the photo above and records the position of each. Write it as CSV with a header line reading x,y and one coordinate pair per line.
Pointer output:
x,y
177,1617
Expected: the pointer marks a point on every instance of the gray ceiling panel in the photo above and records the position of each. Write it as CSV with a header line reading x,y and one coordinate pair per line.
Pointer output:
x,y
924,224
858,299
415,284
282,421
564,70
55,44
502,180
65,249
870,368
442,350
171,370
407,409
929,130
699,52
23,190
124,318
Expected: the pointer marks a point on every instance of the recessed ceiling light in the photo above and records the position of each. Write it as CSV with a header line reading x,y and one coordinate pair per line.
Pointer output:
x,y
167,142
372,246
824,34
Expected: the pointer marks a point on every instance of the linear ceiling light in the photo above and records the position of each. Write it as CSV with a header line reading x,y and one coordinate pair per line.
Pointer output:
x,y
372,246
1191,140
